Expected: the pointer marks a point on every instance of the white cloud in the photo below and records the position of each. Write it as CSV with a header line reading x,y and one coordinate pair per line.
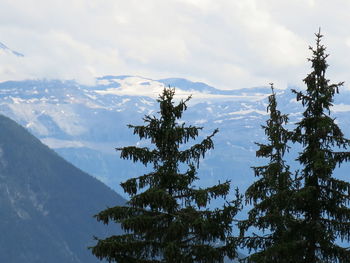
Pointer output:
x,y
226,43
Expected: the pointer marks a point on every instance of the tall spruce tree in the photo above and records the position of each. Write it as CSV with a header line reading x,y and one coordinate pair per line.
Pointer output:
x,y
323,200
167,218
271,196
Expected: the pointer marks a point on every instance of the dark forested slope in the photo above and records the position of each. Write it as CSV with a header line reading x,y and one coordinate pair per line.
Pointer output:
x,y
46,204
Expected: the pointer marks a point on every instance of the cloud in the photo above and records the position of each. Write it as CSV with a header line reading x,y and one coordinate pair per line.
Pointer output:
x,y
226,43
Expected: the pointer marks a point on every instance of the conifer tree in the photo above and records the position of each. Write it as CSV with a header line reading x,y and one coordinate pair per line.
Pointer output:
x,y
271,196
322,201
167,218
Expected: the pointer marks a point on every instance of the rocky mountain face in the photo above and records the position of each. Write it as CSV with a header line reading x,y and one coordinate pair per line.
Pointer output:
x,y
85,123
47,204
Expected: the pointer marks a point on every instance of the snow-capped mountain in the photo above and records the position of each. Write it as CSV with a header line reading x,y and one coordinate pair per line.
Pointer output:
x,y
85,123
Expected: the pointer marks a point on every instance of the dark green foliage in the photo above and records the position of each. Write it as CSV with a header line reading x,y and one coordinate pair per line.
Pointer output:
x,y
167,219
304,217
322,201
271,196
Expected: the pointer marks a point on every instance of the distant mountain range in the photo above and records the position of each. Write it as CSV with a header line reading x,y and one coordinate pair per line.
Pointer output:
x,y
47,204
85,123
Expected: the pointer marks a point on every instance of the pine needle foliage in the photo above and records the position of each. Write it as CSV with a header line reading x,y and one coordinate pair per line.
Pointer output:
x,y
323,200
271,195
167,218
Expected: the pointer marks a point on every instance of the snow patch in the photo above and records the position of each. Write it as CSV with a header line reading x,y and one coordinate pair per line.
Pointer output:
x,y
134,86
201,121
57,144
147,102
341,108
244,112
138,86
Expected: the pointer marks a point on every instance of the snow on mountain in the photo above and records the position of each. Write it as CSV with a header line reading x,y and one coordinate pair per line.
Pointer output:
x,y
138,86
341,107
85,123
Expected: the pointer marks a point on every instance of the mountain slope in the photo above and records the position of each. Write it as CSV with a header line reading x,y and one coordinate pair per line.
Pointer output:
x,y
46,203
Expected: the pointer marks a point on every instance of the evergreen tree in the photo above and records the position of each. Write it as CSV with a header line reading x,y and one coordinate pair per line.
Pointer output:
x,y
271,196
322,201
167,219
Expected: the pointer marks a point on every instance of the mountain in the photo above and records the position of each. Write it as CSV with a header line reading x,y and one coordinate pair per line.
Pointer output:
x,y
47,204
84,124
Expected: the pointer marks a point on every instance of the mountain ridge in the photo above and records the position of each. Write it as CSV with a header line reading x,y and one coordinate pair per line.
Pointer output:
x,y
85,124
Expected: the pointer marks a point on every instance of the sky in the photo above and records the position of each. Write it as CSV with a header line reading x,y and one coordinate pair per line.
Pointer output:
x,y
228,44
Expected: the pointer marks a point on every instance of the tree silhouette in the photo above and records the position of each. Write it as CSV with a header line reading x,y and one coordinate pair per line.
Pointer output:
x,y
322,201
271,196
167,219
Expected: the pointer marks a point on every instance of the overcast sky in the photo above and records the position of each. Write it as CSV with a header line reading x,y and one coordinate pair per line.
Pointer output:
x,y
228,44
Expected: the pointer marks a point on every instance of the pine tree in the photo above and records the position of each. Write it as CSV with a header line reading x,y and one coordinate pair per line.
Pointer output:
x,y
167,218
322,201
271,196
